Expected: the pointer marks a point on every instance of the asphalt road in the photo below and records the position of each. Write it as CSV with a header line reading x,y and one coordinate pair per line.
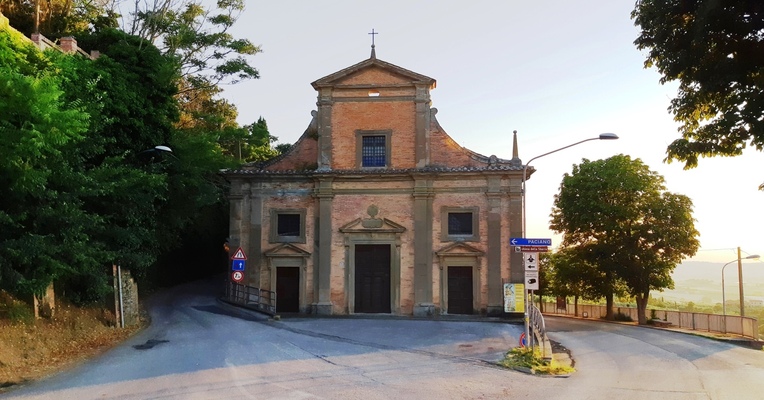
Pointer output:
x,y
197,348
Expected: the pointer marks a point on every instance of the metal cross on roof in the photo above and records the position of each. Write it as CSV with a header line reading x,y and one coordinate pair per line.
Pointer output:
x,y
372,33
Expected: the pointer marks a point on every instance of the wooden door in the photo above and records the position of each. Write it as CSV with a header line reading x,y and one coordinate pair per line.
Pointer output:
x,y
372,278
460,290
287,289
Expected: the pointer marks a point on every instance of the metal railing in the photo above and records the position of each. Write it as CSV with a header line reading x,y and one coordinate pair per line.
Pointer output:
x,y
729,324
251,297
538,327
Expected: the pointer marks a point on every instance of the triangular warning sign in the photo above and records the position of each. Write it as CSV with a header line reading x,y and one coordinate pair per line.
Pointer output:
x,y
239,255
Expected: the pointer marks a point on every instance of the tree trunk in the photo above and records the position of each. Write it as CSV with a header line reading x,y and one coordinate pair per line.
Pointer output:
x,y
642,307
609,307
575,305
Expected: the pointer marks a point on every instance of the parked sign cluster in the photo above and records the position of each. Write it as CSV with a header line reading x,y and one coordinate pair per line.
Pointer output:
x,y
238,264
531,249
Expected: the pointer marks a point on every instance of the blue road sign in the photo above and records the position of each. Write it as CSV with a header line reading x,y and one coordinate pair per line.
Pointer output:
x,y
530,242
238,265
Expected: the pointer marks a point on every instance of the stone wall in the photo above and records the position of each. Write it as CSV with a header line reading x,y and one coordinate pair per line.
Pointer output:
x,y
129,306
45,304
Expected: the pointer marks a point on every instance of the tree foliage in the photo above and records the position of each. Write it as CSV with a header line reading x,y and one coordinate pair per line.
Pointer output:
x,y
39,202
80,191
58,17
714,49
618,216
198,39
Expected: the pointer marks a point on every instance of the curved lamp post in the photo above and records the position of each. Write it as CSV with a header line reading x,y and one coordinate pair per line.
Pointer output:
x,y
151,154
602,136
724,299
157,152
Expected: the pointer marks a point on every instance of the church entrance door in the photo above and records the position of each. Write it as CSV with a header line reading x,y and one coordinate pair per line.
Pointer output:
x,y
287,289
460,290
372,278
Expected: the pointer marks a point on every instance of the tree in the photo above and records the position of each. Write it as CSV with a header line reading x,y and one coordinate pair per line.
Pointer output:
x,y
56,18
198,39
619,216
42,224
715,50
570,274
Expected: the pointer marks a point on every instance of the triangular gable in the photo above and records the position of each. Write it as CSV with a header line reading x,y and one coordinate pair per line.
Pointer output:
x,y
382,225
333,79
459,249
286,250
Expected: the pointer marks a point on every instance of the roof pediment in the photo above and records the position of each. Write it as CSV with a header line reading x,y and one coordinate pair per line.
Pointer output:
x,y
370,64
380,225
459,249
286,250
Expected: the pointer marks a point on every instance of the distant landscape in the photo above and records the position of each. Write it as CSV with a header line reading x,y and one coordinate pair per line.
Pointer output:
x,y
701,283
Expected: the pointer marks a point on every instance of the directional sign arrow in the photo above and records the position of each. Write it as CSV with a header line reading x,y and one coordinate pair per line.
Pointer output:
x,y
530,242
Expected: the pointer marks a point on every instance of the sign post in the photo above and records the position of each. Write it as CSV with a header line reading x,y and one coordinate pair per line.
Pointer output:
x,y
238,264
531,264
530,249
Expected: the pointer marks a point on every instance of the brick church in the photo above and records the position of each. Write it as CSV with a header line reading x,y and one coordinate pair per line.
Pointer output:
x,y
376,209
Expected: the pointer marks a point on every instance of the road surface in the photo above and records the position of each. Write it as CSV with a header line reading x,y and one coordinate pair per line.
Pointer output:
x,y
197,348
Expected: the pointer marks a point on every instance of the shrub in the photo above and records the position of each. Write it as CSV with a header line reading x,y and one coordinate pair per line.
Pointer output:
x,y
622,317
19,312
522,357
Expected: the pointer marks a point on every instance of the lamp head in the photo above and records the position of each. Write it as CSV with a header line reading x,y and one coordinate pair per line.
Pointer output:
x,y
608,136
752,257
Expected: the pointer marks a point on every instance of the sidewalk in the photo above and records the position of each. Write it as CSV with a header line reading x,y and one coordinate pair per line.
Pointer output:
x,y
722,337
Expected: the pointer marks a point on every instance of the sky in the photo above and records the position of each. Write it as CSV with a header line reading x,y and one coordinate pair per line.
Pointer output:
x,y
557,72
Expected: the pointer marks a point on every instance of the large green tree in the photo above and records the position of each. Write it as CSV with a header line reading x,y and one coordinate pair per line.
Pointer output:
x,y
42,224
618,215
714,49
571,274
56,18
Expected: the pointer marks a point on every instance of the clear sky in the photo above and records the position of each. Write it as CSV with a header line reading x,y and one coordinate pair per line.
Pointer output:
x,y
555,71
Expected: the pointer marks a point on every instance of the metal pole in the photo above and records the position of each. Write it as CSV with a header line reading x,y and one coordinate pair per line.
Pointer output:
x,y
525,173
121,301
724,301
740,282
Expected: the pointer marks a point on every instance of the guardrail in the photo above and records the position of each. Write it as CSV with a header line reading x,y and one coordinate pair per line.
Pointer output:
x,y
538,326
731,324
251,297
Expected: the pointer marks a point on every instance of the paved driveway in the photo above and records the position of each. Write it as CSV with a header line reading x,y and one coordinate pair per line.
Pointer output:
x,y
198,349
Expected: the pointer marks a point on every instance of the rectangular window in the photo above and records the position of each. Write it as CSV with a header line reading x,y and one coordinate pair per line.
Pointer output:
x,y
373,151
460,224
287,226
373,148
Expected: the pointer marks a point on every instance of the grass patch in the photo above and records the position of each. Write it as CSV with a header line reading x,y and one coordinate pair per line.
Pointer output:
x,y
31,349
529,359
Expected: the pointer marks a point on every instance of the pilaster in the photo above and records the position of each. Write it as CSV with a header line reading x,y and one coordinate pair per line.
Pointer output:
x,y
516,270
423,253
322,269
493,255
422,125
324,104
254,250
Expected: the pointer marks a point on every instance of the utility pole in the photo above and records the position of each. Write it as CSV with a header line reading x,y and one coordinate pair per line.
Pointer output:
x,y
740,282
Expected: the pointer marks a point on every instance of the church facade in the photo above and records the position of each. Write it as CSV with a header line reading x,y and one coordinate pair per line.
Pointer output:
x,y
376,209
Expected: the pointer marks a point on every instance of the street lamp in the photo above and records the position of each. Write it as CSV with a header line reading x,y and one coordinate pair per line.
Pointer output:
x,y
602,136
724,299
157,152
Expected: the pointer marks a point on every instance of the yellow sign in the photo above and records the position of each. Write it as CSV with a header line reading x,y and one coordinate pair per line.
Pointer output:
x,y
514,299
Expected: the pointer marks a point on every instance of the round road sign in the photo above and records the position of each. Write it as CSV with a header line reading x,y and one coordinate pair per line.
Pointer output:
x,y
237,276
